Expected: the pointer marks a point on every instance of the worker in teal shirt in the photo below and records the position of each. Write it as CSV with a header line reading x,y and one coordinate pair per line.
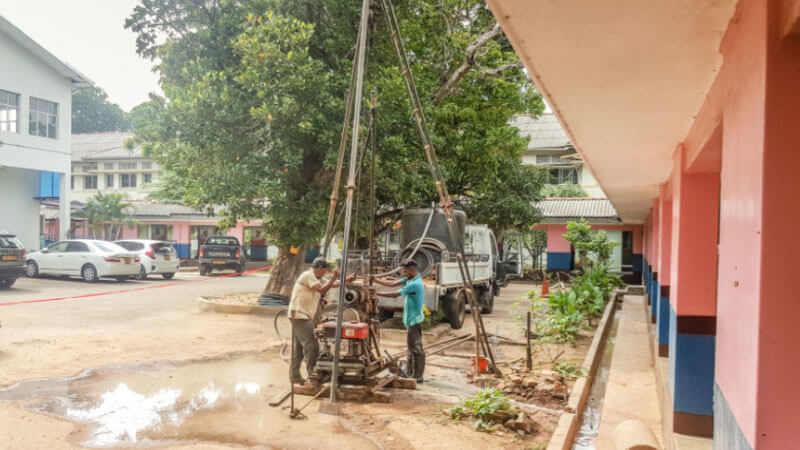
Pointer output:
x,y
414,292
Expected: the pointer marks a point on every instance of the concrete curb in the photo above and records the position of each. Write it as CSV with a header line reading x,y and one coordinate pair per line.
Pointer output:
x,y
569,422
206,305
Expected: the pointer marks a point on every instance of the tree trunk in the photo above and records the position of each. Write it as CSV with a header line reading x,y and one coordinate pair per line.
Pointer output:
x,y
284,273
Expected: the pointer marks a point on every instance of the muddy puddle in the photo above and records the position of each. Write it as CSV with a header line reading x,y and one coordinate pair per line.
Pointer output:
x,y
220,400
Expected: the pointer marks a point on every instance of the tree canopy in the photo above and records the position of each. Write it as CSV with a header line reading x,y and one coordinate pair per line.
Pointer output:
x,y
254,105
93,113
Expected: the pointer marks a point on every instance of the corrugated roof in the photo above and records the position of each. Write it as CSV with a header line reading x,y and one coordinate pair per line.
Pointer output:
x,y
78,79
559,210
152,209
98,146
545,132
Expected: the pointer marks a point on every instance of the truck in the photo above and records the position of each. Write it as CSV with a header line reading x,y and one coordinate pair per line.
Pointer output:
x,y
426,239
220,252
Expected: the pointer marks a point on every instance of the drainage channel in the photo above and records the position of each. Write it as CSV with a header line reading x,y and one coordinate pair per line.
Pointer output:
x,y
586,436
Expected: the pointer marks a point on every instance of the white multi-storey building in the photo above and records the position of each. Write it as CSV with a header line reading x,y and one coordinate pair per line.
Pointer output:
x,y
103,162
35,124
550,147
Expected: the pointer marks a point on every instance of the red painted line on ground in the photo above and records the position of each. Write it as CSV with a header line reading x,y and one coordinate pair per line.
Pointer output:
x,y
144,288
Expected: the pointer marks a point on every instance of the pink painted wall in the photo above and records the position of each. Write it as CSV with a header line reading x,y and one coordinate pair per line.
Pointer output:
x,y
130,232
695,205
742,81
637,239
238,232
779,313
665,234
648,236
555,239
655,262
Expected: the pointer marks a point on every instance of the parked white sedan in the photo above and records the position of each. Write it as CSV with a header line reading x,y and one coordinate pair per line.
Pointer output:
x,y
157,257
89,259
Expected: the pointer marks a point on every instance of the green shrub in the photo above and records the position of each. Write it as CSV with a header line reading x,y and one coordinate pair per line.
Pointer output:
x,y
484,406
568,369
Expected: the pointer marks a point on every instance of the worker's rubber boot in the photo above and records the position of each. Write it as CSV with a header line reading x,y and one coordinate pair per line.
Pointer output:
x,y
410,366
419,368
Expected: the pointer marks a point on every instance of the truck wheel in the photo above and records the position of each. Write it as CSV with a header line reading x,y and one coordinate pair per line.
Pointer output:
x,y
455,308
486,299
203,270
168,276
7,283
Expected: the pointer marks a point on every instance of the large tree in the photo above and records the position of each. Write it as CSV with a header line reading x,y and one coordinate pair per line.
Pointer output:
x,y
254,107
92,112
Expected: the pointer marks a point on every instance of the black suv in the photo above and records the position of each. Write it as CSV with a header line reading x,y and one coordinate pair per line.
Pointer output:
x,y
12,259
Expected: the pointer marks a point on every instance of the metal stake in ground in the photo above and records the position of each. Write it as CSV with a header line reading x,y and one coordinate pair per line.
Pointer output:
x,y
351,186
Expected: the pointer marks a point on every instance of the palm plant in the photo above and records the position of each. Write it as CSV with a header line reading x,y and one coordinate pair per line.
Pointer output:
x,y
106,214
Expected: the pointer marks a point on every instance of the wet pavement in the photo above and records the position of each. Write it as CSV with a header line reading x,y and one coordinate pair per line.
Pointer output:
x,y
221,400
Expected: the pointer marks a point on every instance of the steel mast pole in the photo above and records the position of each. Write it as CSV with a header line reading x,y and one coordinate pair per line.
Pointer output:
x,y
351,186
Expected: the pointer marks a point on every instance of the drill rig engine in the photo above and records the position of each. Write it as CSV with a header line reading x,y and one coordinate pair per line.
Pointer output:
x,y
359,355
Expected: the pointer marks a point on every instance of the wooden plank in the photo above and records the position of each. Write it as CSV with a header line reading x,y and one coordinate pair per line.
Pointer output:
x,y
280,398
403,383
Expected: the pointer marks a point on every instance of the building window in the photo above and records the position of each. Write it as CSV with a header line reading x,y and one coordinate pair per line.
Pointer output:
x,y
127,166
108,166
72,182
128,180
90,182
147,165
43,118
564,175
148,178
9,111
549,159
109,181
89,167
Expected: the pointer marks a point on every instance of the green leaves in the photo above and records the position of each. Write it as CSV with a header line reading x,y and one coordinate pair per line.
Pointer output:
x,y
483,406
584,240
106,213
93,113
253,109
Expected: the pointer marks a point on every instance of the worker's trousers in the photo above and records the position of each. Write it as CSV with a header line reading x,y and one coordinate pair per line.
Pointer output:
x,y
416,355
304,346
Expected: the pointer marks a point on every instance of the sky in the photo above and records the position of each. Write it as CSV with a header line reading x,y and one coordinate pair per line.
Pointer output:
x,y
90,36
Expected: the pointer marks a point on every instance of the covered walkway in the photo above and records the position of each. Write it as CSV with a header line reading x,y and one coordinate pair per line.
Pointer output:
x,y
688,113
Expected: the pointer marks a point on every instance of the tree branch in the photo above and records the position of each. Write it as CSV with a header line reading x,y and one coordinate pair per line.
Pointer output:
x,y
498,70
469,62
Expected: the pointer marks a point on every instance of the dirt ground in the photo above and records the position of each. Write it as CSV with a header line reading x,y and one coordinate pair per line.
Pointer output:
x,y
80,335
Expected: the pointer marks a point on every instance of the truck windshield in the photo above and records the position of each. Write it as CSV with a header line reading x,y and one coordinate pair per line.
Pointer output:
x,y
222,241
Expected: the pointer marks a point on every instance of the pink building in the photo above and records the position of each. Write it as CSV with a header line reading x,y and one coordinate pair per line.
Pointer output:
x,y
189,228
600,214
687,113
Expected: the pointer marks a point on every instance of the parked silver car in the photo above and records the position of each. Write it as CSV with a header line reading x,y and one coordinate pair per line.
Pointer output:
x,y
156,257
89,259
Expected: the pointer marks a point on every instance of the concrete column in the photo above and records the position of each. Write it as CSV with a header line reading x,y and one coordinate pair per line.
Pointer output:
x,y
654,286
664,256
638,256
64,205
693,292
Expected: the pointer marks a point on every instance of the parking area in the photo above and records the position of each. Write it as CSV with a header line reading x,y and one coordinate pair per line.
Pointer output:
x,y
57,327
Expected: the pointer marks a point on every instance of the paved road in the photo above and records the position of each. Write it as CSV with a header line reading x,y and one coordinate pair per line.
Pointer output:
x,y
119,302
